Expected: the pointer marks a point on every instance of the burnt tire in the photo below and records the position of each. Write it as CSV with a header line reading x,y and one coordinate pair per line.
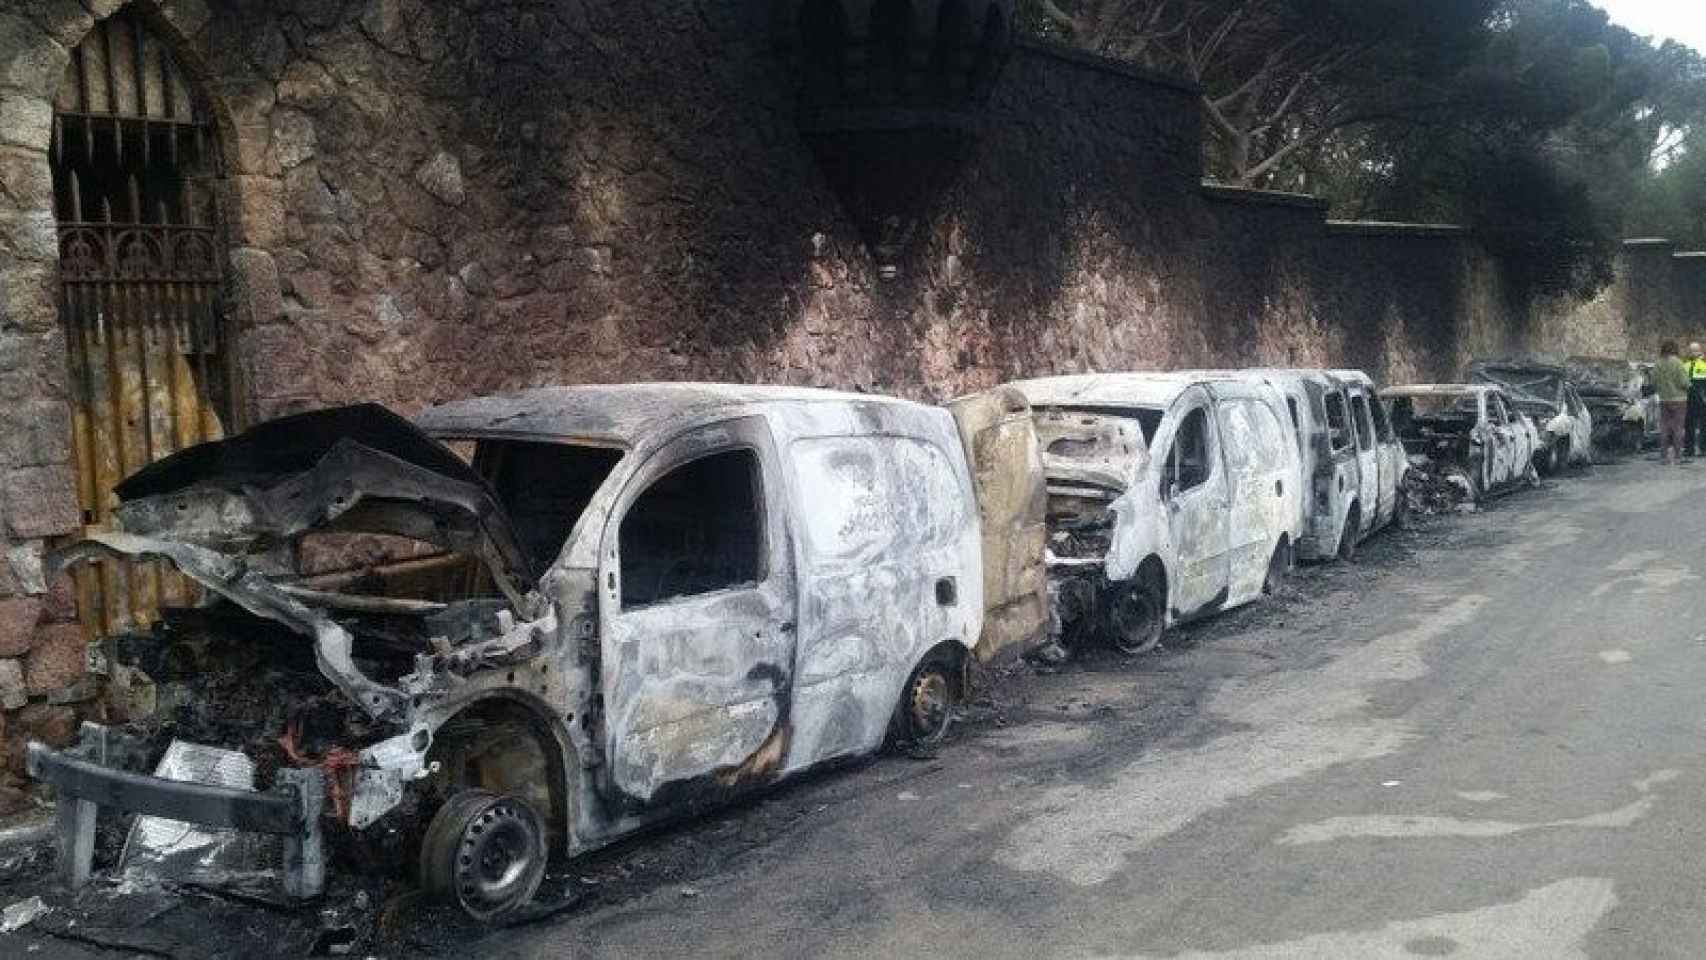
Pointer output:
x,y
926,704
1280,566
1137,617
1348,537
484,852
1547,462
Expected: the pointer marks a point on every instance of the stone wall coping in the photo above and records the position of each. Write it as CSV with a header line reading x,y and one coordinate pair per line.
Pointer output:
x,y
1649,242
1227,193
1120,68
1690,255
1386,228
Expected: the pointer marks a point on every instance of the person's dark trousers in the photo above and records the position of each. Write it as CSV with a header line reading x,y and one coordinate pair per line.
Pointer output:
x,y
1694,434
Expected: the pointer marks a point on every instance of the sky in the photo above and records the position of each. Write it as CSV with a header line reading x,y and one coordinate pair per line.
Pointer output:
x,y
1683,20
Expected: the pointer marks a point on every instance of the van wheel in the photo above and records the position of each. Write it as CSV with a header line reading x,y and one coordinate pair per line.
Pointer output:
x,y
1137,617
1348,537
1546,461
926,706
485,852
1280,566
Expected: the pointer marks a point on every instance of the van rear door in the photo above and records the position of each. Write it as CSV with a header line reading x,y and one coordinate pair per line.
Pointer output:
x,y
1259,469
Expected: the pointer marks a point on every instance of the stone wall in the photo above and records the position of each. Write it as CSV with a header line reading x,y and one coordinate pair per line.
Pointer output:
x,y
427,199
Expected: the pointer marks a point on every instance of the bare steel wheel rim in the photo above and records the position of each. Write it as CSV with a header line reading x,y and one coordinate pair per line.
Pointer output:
x,y
927,704
490,853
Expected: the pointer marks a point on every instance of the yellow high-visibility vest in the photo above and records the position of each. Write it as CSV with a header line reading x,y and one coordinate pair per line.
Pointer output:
x,y
1696,369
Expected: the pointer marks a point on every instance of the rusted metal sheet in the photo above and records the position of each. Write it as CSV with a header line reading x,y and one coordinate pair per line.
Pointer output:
x,y
140,285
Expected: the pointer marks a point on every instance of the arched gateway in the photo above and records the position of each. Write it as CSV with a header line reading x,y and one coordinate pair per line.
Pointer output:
x,y
140,249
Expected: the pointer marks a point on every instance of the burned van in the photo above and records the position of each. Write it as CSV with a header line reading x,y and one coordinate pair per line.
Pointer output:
x,y
1170,497
1351,464
1468,431
544,620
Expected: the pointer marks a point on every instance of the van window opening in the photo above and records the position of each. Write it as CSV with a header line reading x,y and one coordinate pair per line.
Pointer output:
x,y
1382,422
1364,422
544,487
1338,422
695,530
1191,446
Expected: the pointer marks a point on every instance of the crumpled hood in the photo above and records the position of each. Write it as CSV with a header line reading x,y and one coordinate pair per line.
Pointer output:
x,y
225,512
358,467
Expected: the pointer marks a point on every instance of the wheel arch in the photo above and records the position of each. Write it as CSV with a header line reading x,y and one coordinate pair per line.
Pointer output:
x,y
516,710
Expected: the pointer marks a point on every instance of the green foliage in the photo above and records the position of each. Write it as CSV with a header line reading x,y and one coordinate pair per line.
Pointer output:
x,y
1549,129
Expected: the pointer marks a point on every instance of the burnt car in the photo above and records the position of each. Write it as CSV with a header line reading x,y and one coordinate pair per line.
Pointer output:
x,y
1468,431
584,610
1616,392
1545,393
1170,497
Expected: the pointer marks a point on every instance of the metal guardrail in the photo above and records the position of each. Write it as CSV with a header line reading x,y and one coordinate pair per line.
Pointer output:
x,y
87,780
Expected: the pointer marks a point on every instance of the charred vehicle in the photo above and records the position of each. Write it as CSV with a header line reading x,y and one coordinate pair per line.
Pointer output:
x,y
1544,393
1352,463
1468,431
1170,497
582,610
1614,391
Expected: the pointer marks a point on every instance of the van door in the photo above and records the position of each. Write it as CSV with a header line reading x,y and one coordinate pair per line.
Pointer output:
x,y
1000,444
1368,460
1257,464
697,599
1393,460
1194,487
1505,444
1340,472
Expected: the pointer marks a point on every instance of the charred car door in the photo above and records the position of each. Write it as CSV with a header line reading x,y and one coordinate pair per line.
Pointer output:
x,y
1368,460
697,597
1393,461
1194,488
1505,442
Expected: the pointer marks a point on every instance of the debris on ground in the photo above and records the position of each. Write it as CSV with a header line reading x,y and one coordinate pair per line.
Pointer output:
x,y
18,915
1431,491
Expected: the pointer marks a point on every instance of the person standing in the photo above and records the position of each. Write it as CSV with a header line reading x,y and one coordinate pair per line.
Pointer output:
x,y
1672,382
1694,432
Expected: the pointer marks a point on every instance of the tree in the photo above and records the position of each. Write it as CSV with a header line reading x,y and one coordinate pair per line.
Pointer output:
x,y
1278,76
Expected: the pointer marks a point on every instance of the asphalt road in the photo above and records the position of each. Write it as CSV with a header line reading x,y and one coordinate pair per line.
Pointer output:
x,y
1484,739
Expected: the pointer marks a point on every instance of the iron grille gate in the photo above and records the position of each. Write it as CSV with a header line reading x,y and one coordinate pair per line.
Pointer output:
x,y
139,261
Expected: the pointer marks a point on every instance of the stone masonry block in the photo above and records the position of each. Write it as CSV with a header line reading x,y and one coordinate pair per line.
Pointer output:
x,y
18,619
26,120
59,658
35,433
41,502
260,209
30,60
13,693
66,21
255,274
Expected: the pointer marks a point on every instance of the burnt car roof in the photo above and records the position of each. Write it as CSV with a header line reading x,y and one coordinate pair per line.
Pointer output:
x,y
294,444
623,414
1441,389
